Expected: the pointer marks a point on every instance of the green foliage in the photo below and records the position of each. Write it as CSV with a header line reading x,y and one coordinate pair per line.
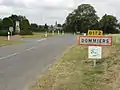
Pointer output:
x,y
22,32
6,23
0,24
3,32
81,19
34,27
108,23
46,27
84,18
15,18
38,28
41,28
11,21
25,27
59,25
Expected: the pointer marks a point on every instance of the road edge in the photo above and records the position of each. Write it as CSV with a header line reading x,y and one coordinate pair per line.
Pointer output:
x,y
47,68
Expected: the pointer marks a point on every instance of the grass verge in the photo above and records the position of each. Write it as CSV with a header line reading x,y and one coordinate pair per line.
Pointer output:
x,y
74,71
38,35
5,42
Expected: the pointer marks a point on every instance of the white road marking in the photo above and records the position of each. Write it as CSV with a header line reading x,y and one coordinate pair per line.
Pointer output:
x,y
30,48
41,40
14,54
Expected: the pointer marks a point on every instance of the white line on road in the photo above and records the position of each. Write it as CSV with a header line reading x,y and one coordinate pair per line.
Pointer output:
x,y
14,54
41,40
30,48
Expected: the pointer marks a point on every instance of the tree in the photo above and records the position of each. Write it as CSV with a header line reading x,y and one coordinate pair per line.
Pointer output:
x,y
25,27
82,19
6,23
34,27
41,28
15,18
59,25
46,27
108,24
0,24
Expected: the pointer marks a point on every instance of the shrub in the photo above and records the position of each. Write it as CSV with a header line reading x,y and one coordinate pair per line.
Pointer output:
x,y
22,32
3,32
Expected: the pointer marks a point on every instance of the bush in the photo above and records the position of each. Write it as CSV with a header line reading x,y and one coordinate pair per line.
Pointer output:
x,y
3,32
22,32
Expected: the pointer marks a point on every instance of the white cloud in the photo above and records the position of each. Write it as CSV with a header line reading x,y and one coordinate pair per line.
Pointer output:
x,y
5,11
48,11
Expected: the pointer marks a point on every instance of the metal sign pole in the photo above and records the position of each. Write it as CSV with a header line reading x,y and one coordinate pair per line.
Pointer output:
x,y
11,33
11,30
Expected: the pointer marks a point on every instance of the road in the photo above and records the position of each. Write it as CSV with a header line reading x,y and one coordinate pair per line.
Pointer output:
x,y
20,64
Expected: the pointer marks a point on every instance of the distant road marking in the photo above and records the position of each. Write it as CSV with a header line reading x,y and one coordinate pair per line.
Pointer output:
x,y
30,48
14,54
41,40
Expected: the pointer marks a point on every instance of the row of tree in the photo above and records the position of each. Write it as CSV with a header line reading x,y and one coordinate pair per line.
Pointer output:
x,y
84,18
25,27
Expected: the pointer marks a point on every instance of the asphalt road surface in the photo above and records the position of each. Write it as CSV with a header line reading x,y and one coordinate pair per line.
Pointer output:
x,y
20,64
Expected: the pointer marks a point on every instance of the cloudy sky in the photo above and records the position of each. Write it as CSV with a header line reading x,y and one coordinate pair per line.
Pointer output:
x,y
49,11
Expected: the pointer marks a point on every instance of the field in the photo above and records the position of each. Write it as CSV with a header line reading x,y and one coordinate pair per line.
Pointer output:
x,y
74,71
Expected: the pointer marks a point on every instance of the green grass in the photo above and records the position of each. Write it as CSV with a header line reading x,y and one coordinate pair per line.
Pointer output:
x,y
5,42
42,35
74,71
38,35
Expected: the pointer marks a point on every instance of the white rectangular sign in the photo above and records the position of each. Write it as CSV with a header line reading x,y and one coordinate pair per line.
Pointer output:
x,y
95,41
94,52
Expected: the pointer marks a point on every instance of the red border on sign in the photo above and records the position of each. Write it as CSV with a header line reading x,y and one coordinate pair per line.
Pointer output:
x,y
95,37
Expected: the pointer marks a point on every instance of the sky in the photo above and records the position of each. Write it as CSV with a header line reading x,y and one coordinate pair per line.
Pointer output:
x,y
50,11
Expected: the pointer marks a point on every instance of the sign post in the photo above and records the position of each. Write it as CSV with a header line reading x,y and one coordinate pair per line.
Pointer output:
x,y
58,32
11,30
95,52
8,36
46,34
94,41
63,32
53,33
